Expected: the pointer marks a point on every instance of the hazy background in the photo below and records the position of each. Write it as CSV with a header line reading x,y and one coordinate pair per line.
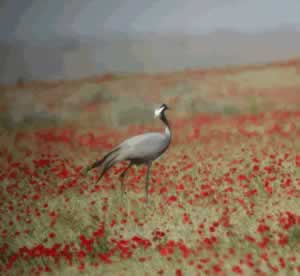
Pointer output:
x,y
62,39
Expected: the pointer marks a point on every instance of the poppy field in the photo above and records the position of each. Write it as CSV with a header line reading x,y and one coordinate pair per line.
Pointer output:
x,y
224,199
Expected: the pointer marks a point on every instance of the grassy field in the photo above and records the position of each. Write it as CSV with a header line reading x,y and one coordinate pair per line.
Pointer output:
x,y
224,198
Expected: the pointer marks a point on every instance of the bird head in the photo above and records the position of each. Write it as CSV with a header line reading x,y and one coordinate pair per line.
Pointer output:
x,y
160,110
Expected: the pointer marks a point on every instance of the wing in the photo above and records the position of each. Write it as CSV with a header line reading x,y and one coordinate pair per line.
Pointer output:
x,y
147,146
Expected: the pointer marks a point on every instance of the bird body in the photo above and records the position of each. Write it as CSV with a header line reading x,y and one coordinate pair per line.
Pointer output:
x,y
140,149
144,147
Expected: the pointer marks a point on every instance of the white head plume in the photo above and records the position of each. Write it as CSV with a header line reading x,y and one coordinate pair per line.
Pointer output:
x,y
158,111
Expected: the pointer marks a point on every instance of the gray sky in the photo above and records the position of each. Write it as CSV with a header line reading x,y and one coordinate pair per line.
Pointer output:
x,y
29,19
249,31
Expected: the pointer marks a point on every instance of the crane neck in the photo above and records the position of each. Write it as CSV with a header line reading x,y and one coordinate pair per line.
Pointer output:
x,y
165,121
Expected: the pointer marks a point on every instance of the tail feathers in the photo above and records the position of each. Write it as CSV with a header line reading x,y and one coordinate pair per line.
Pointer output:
x,y
111,156
108,164
94,165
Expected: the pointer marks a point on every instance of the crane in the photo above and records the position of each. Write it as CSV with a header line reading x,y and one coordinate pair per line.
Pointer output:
x,y
138,150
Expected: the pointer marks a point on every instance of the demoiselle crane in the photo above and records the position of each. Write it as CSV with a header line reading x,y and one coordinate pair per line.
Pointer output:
x,y
138,150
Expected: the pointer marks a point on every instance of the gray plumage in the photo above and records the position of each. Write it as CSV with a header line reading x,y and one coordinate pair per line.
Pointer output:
x,y
140,149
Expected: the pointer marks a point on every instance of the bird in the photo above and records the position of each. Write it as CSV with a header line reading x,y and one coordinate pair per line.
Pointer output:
x,y
142,149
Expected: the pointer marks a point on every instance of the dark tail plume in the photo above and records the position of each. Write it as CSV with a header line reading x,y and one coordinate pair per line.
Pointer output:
x,y
108,164
105,160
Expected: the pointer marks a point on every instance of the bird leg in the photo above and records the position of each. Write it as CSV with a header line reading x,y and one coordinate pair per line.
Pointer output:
x,y
147,180
122,176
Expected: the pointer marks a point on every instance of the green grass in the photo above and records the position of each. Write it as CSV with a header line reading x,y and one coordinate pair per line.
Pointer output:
x,y
209,212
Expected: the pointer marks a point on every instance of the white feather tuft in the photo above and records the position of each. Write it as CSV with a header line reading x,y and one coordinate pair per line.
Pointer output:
x,y
158,111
